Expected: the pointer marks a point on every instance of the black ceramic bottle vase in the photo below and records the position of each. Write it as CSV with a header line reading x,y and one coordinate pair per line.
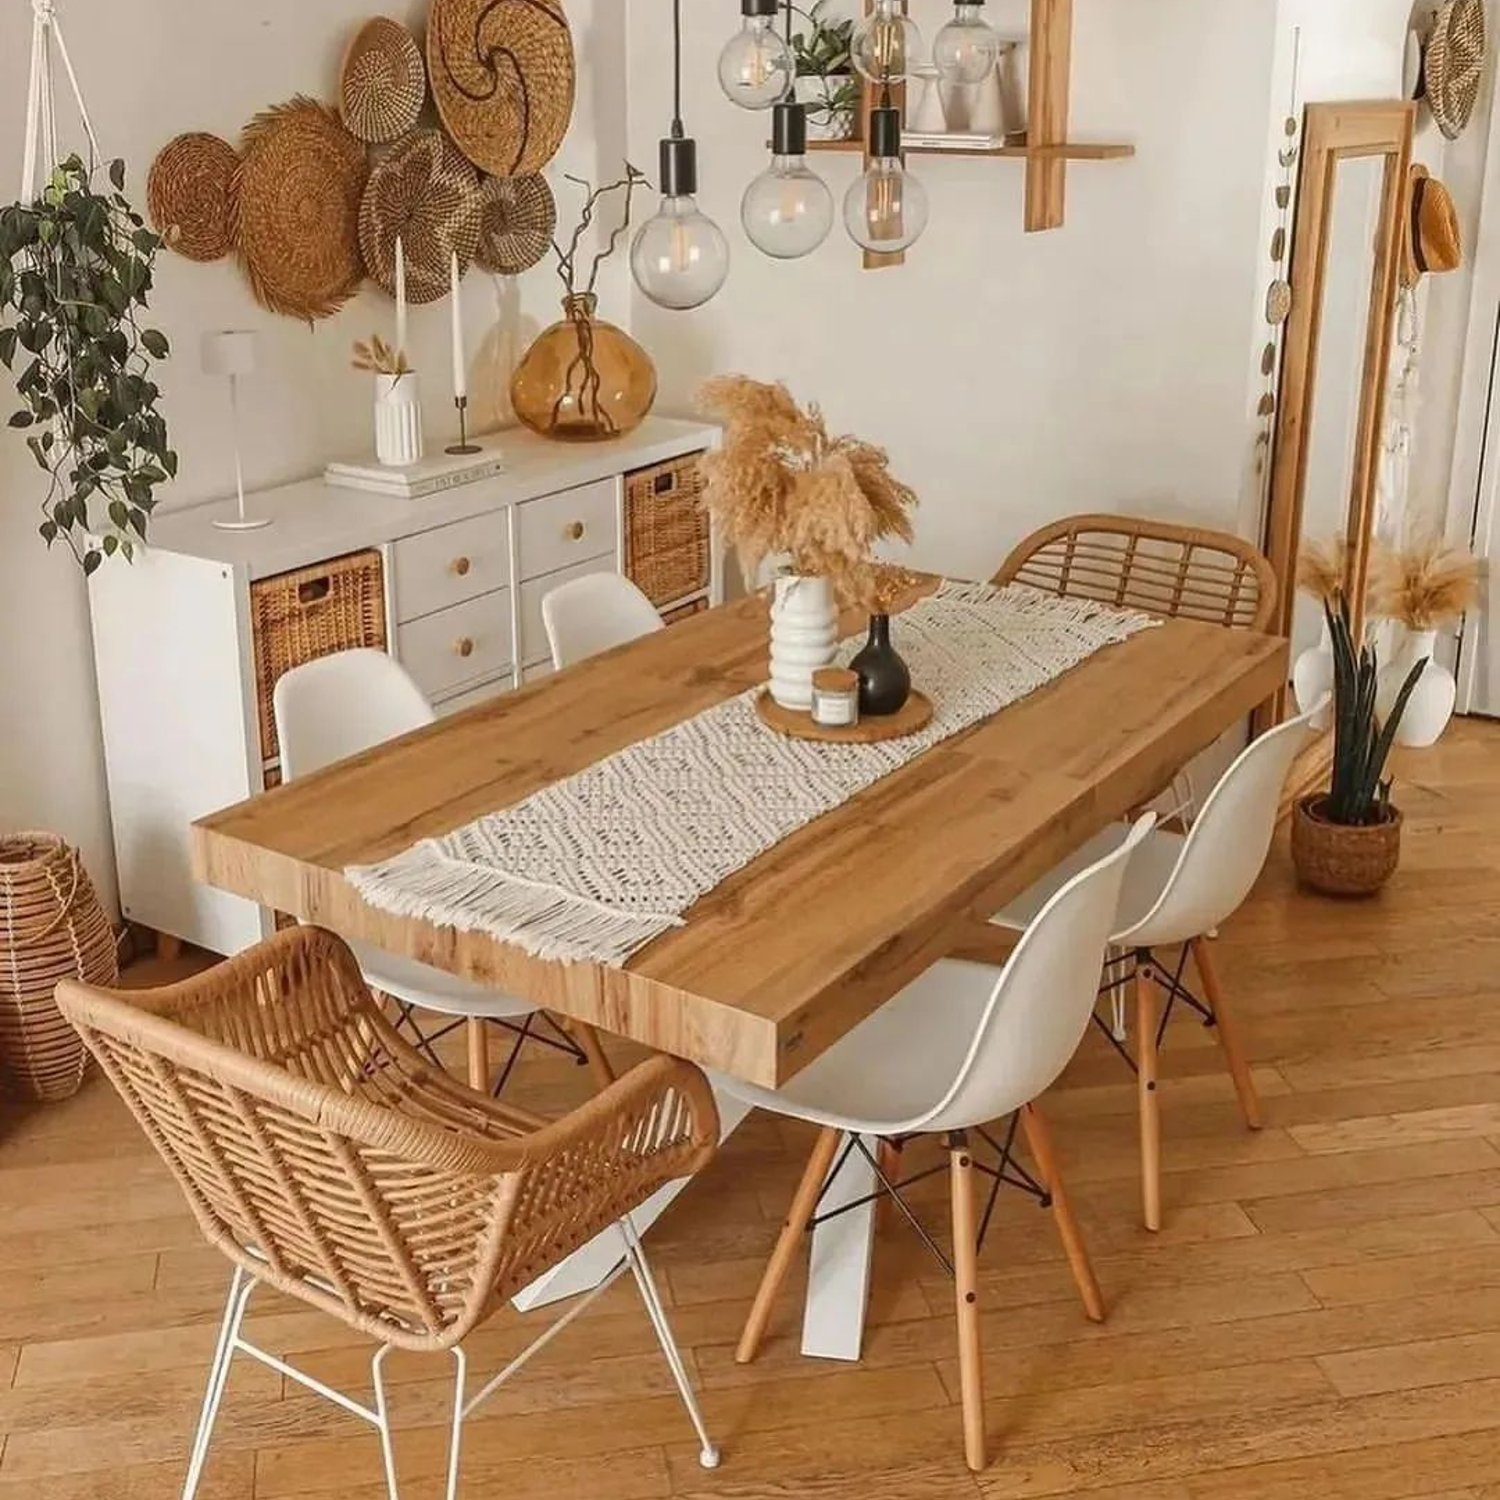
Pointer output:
x,y
884,680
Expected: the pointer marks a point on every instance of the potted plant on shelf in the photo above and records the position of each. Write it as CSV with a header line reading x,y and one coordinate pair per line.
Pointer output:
x,y
75,274
780,485
1347,841
826,83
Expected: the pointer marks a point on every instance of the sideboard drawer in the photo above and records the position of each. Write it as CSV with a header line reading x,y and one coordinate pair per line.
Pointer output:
x,y
467,643
559,530
450,564
534,646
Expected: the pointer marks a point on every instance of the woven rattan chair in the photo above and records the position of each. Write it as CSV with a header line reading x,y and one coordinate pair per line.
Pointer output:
x,y
329,1160
1153,566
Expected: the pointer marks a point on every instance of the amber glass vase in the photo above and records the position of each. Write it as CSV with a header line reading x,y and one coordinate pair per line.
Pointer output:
x,y
583,380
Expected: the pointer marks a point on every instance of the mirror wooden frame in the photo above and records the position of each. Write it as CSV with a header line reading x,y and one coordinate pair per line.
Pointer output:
x,y
1333,133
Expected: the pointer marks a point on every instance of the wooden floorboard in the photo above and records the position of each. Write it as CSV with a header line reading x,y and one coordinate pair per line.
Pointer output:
x,y
1320,1315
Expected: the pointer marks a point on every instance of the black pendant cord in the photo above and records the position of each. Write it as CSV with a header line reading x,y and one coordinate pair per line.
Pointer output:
x,y
677,128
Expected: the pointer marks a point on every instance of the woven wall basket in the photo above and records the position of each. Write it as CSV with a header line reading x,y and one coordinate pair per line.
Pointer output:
x,y
518,216
426,193
383,82
297,213
51,927
502,73
190,195
1454,64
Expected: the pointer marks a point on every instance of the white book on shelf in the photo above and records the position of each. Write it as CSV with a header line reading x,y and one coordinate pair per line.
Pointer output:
x,y
429,476
952,140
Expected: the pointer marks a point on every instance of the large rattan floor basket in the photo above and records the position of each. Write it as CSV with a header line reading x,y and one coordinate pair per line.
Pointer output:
x,y
666,531
51,927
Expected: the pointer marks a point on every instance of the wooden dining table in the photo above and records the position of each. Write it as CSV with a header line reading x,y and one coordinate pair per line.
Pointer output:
x,y
785,957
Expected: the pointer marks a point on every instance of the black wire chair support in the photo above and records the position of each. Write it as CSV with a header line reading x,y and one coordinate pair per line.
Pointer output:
x,y
426,1041
1123,968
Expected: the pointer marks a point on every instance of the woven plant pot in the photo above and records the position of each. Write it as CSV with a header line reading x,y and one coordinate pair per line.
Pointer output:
x,y
51,927
1340,860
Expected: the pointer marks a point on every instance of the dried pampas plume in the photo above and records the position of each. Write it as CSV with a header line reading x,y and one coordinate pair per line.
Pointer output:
x,y
779,483
1424,585
1322,567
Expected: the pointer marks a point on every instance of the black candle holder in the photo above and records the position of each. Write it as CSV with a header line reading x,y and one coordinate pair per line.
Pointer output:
x,y
463,446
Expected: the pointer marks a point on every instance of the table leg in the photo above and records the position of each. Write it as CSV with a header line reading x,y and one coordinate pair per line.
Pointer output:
x,y
838,1283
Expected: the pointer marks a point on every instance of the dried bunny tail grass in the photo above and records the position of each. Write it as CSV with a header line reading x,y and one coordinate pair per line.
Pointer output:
x,y
379,358
1424,585
1322,567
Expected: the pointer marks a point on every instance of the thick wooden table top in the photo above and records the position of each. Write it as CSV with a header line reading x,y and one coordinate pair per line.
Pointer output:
x,y
787,955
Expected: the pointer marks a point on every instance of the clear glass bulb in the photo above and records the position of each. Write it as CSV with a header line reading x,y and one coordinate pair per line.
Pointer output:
x,y
756,66
967,48
787,211
886,209
886,46
679,257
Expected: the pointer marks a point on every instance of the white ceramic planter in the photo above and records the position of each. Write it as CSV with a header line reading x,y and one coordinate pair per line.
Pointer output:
x,y
823,122
398,420
1312,678
1430,706
804,637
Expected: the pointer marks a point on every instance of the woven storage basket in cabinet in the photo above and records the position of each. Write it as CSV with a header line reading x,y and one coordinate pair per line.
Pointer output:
x,y
51,927
298,617
666,531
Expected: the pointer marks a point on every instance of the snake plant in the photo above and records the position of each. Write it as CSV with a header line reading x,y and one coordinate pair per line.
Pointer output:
x,y
1360,793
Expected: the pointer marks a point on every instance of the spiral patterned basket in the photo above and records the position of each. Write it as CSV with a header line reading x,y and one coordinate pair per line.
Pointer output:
x,y
190,195
383,82
51,927
503,77
517,219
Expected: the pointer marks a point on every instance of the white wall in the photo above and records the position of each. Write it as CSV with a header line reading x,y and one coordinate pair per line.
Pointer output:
x,y
151,68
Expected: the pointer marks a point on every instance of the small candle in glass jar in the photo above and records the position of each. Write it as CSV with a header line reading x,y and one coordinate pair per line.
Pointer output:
x,y
835,703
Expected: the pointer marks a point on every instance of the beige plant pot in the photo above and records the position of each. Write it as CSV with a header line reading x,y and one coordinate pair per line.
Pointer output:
x,y
1339,860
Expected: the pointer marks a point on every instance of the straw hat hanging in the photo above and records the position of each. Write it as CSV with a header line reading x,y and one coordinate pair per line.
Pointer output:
x,y
190,195
1454,66
297,216
428,195
1432,239
502,75
383,82
518,216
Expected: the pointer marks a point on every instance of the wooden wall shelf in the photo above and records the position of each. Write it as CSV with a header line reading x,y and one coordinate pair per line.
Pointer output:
x,y
1070,151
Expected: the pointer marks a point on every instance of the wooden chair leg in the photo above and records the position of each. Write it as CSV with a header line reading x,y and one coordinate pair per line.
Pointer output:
x,y
1229,1036
1146,1080
168,947
478,1035
803,1204
966,1293
589,1044
1039,1139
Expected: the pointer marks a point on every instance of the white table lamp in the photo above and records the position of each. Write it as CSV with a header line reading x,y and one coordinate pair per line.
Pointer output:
x,y
231,352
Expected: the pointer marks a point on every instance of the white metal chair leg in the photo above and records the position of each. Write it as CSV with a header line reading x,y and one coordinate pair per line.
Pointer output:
x,y
240,1288
708,1455
383,1421
382,1417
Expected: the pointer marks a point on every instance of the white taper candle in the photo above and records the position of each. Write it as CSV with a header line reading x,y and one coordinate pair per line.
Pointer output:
x,y
460,370
400,297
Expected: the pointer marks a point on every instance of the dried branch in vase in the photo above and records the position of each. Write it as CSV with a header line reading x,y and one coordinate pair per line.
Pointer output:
x,y
780,483
380,358
1424,585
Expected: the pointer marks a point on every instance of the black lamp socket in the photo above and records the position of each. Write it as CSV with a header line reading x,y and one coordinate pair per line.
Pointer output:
x,y
679,167
789,130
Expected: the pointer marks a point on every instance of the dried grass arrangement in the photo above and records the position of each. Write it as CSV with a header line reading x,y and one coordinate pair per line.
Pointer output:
x,y
780,483
380,358
1322,567
1424,585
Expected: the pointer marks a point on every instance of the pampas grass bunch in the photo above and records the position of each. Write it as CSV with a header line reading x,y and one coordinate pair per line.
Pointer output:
x,y
780,483
1322,566
1424,585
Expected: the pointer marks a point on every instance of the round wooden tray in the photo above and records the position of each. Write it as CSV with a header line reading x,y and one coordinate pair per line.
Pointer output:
x,y
916,714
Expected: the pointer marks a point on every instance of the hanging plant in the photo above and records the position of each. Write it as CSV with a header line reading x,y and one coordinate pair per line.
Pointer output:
x,y
75,273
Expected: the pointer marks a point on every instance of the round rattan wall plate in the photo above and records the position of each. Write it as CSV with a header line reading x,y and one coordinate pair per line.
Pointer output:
x,y
190,195
428,195
1455,64
502,73
297,222
517,218
383,83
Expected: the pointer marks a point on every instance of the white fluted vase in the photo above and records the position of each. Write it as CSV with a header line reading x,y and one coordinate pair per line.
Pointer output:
x,y
398,420
1312,678
804,637
1431,704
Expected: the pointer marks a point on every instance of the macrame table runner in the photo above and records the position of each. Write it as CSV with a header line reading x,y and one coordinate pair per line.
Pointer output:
x,y
593,868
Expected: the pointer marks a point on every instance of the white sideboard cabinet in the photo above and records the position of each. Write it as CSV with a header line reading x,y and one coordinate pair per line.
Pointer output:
x,y
189,640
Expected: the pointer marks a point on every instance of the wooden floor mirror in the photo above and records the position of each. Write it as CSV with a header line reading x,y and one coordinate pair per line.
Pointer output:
x,y
1346,238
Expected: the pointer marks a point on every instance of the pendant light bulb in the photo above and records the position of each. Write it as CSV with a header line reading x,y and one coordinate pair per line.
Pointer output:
x,y
756,67
787,211
679,256
885,210
967,49
886,46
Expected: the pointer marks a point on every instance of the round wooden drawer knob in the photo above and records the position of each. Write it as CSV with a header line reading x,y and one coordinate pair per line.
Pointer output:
x,y
574,532
464,647
461,566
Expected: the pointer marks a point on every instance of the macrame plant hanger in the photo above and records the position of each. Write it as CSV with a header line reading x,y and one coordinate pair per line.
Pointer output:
x,y
41,101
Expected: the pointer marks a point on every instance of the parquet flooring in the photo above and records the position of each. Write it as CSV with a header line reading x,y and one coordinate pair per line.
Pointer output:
x,y
1319,1317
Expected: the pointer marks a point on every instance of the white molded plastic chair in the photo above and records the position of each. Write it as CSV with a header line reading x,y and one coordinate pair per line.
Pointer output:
x,y
335,707
1178,890
595,613
955,1049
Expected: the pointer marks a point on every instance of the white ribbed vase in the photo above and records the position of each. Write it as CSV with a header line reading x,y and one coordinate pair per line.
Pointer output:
x,y
398,420
804,637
